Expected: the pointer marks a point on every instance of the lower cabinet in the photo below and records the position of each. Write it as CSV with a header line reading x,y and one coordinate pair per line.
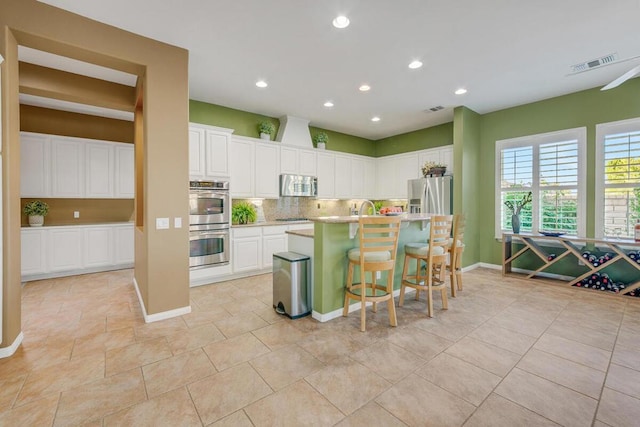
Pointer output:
x,y
274,240
67,250
247,248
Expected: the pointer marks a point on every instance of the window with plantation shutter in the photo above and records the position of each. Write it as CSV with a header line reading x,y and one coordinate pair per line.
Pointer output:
x,y
550,166
617,178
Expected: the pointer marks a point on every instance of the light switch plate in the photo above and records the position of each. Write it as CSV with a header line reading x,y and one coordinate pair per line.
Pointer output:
x,y
76,214
162,223
177,222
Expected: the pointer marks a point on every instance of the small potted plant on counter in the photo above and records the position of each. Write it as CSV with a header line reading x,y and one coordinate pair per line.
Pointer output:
x,y
431,168
320,140
243,213
266,129
36,211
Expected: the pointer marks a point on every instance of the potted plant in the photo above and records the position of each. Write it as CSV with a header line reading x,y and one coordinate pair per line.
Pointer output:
x,y
515,209
243,213
320,140
36,210
266,129
431,168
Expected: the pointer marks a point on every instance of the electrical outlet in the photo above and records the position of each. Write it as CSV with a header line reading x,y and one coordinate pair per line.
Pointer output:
x,y
177,222
162,223
76,214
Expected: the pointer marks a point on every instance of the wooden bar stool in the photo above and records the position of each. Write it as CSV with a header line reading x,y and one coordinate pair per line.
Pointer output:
x,y
377,252
434,254
456,247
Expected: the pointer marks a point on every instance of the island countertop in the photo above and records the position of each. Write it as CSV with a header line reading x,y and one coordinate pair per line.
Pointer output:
x,y
405,217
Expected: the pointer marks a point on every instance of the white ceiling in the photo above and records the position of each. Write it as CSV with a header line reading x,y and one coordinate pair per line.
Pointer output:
x,y
506,53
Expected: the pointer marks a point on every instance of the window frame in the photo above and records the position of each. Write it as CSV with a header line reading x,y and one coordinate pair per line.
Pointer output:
x,y
536,140
602,130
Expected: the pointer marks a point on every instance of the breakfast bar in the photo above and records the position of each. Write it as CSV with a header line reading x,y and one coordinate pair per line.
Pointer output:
x,y
332,237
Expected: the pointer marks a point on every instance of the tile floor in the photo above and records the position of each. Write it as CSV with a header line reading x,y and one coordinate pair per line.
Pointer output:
x,y
508,352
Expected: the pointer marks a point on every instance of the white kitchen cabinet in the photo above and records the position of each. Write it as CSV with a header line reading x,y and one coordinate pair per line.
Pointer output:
x,y
407,167
242,165
446,157
326,171
369,179
384,176
124,248
342,177
289,160
208,152
442,155
33,251
67,168
100,170
125,174
267,161
357,179
307,162
65,248
196,153
246,254
98,246
274,240
35,165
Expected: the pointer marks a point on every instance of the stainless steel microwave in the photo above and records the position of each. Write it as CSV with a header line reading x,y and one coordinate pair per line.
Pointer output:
x,y
298,185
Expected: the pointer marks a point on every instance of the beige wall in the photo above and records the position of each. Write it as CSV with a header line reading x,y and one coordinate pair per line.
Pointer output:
x,y
164,70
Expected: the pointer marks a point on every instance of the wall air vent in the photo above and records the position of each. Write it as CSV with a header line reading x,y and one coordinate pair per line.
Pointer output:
x,y
434,109
594,63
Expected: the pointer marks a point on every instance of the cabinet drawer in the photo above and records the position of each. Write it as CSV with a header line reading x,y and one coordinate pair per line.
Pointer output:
x,y
241,232
274,229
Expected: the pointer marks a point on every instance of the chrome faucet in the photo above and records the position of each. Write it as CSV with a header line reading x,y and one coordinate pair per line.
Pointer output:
x,y
367,202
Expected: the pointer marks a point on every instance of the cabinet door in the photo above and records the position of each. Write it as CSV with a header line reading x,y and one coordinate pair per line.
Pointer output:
x,y
326,175
307,162
357,179
272,245
446,157
196,153
123,245
216,154
65,249
370,179
33,251
242,169
267,171
98,246
99,170
34,166
246,254
289,160
67,168
343,177
431,155
406,168
125,175
384,177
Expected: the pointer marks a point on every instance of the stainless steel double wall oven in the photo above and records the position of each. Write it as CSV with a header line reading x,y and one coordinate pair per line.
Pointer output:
x,y
209,212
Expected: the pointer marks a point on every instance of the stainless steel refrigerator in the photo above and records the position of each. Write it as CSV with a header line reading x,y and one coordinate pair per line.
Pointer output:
x,y
431,195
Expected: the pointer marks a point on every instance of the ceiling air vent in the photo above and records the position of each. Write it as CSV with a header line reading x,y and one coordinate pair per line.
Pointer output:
x,y
434,109
594,63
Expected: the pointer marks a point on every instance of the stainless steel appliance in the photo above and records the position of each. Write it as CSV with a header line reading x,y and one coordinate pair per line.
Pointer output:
x,y
209,202
209,211
431,195
298,185
208,246
292,284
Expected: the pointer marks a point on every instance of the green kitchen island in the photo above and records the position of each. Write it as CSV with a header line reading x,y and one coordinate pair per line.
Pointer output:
x,y
332,237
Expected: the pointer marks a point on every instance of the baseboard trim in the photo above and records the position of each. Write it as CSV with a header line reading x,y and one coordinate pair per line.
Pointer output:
x,y
8,351
56,274
149,318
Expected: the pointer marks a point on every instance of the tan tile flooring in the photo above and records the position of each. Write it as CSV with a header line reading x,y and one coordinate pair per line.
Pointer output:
x,y
508,352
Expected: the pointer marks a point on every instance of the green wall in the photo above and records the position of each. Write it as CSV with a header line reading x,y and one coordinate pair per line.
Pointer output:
x,y
586,108
246,124
432,137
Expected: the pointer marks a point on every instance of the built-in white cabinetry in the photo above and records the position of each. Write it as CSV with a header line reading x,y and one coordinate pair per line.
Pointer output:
x,y
297,161
443,155
247,248
326,171
369,179
242,165
357,178
267,170
208,152
307,162
65,167
274,240
342,177
68,250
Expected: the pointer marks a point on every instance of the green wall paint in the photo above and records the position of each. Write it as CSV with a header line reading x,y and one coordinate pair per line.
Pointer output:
x,y
466,182
432,137
586,108
246,124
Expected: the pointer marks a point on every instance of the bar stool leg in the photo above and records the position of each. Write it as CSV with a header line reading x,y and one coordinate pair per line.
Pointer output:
x,y
391,306
418,277
345,310
373,290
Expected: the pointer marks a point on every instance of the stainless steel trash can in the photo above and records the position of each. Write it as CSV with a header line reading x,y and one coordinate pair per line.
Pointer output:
x,y
291,284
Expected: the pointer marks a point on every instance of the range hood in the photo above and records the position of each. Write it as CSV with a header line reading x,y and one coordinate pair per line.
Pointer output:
x,y
294,131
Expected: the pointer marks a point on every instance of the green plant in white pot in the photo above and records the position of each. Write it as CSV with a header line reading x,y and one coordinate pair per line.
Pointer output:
x,y
243,213
36,211
320,140
266,129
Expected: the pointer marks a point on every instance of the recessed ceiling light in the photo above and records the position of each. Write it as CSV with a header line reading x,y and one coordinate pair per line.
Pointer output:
x,y
364,88
341,21
460,91
261,84
375,119
415,64
328,104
